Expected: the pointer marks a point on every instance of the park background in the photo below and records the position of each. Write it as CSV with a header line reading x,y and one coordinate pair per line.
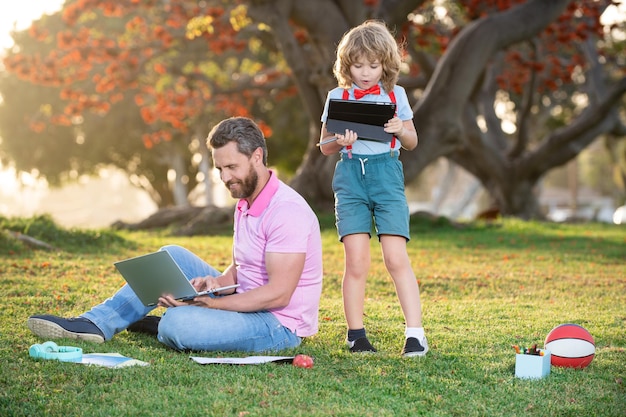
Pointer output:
x,y
587,186
485,284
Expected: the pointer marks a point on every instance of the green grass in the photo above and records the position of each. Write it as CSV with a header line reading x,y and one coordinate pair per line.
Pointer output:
x,y
484,287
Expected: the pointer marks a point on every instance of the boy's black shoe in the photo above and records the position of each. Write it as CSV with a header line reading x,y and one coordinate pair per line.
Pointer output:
x,y
361,344
148,325
52,327
413,347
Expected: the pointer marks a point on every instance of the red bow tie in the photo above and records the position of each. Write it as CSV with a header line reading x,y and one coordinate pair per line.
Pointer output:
x,y
358,94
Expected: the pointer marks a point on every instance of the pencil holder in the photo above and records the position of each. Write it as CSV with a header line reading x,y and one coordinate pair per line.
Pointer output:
x,y
532,366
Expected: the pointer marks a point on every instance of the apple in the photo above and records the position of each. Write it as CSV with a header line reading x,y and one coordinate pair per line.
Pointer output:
x,y
303,361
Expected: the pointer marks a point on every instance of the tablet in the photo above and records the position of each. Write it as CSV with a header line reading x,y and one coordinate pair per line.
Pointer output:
x,y
366,118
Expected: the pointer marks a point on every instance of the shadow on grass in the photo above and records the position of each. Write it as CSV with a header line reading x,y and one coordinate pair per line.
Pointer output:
x,y
603,241
599,241
22,235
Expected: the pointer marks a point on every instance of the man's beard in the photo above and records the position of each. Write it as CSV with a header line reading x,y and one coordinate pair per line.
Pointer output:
x,y
247,185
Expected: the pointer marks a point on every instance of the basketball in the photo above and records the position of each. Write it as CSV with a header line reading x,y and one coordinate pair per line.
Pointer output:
x,y
571,346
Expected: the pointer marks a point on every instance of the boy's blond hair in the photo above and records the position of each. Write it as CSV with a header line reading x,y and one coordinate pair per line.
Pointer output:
x,y
373,41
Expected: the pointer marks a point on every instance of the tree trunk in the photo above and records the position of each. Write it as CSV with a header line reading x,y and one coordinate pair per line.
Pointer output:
x,y
178,166
517,198
461,88
314,177
326,21
441,109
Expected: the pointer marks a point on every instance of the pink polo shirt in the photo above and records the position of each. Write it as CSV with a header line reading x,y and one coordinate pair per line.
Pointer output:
x,y
280,220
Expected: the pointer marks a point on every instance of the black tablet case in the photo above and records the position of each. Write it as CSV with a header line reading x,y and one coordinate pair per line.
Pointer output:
x,y
366,118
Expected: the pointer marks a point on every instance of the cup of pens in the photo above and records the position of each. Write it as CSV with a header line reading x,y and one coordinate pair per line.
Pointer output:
x,y
531,363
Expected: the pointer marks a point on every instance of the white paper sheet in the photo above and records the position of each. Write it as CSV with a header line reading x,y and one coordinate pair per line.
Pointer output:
x,y
249,360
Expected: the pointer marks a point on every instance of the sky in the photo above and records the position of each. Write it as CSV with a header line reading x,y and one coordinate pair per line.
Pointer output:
x,y
22,13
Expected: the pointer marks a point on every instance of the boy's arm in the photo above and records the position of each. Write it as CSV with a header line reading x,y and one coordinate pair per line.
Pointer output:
x,y
406,133
336,145
331,147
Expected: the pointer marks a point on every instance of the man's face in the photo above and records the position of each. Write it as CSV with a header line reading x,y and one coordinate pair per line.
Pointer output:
x,y
237,171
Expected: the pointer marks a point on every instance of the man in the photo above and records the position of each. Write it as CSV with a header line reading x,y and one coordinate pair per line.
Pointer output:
x,y
276,260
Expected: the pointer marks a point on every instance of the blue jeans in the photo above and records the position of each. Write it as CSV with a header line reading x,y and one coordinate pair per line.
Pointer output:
x,y
192,327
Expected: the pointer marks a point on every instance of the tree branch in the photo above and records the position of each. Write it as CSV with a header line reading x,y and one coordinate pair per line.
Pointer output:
x,y
395,12
461,68
452,83
30,241
525,111
565,143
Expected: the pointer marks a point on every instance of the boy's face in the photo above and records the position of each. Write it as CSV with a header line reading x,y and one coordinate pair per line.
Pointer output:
x,y
366,74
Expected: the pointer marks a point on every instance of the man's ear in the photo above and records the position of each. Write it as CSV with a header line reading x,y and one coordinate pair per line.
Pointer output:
x,y
258,155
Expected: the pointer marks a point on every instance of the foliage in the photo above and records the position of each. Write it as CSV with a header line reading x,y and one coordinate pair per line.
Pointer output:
x,y
161,75
508,109
530,101
484,287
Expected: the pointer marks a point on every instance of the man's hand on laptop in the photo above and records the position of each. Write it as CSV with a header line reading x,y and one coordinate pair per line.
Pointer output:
x,y
168,301
202,300
204,283
209,283
201,284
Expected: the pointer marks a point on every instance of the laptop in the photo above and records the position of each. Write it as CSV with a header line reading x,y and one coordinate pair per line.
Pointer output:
x,y
156,274
366,118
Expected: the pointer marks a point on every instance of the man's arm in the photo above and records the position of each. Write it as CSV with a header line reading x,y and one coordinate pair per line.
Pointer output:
x,y
284,271
228,277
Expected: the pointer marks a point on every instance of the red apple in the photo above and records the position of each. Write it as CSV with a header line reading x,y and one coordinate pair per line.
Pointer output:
x,y
303,361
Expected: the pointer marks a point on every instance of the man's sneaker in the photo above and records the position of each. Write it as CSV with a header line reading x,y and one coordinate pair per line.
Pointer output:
x,y
361,344
53,327
414,347
148,325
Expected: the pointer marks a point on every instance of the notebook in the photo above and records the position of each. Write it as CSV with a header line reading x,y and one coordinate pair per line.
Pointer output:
x,y
156,274
366,118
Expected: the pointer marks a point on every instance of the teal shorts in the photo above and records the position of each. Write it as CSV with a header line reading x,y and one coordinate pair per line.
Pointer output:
x,y
370,187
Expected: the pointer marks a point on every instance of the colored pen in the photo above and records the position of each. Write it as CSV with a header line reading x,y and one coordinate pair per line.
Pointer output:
x,y
326,141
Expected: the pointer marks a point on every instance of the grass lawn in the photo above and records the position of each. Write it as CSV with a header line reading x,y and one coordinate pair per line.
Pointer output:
x,y
484,287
